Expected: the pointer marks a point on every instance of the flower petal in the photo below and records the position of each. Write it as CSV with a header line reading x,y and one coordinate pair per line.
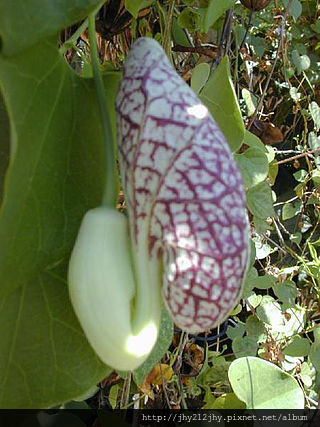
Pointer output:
x,y
185,195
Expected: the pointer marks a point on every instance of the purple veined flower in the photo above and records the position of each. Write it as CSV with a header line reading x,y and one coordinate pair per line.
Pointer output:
x,y
184,192
187,233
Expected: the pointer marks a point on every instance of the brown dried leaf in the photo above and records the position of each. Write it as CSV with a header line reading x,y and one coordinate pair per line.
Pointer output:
x,y
194,356
159,374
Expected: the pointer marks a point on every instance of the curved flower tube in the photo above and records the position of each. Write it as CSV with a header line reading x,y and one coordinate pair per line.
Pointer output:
x,y
102,287
188,228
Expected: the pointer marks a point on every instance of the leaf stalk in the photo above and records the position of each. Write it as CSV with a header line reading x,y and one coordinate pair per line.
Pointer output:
x,y
111,189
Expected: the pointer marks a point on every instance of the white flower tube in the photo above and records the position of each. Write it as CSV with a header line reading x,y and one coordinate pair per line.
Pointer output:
x,y
102,291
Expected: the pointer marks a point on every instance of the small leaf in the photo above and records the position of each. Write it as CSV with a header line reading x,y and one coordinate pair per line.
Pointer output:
x,y
235,331
291,210
218,372
252,253
286,292
300,175
250,100
264,282
269,311
253,141
189,18
299,189
315,175
216,8
315,114
270,153
219,96
255,328
299,347
295,95
228,401
273,172
316,27
200,76
249,281
295,8
259,199
113,395
179,36
306,374
134,6
296,238
261,226
246,346
302,62
314,141
294,321
262,385
316,334
262,248
209,398
254,300
254,166
236,310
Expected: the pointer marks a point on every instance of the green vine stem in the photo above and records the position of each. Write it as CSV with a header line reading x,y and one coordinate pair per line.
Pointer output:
x,y
111,189
73,39
167,30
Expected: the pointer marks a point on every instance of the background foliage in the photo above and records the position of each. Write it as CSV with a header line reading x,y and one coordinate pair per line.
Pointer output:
x,y
258,72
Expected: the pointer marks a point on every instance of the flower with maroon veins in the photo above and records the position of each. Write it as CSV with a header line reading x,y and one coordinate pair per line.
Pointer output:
x,y
186,235
184,192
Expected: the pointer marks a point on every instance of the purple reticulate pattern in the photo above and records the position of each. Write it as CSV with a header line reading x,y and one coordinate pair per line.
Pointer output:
x,y
184,192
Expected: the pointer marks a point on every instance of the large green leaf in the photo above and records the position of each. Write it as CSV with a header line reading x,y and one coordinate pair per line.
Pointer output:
x,y
219,96
57,170
43,350
262,385
4,144
56,173
26,22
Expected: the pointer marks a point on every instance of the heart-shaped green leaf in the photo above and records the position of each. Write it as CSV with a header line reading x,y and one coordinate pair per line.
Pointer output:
x,y
254,381
57,170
